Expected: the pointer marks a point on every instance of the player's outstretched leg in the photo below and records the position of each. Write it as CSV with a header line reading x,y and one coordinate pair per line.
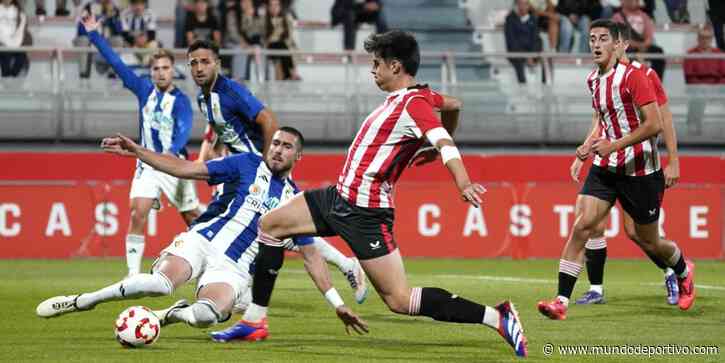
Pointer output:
x,y
139,285
169,273
387,274
349,266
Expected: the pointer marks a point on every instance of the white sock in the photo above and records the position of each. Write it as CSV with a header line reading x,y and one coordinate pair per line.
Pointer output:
x,y
564,300
201,314
491,317
669,271
333,256
156,284
134,252
598,288
255,313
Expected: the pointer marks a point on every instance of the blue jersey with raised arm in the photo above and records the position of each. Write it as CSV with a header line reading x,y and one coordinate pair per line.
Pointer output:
x,y
165,118
232,110
250,190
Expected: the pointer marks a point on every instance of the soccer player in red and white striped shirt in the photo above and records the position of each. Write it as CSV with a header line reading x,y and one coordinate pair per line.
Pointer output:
x,y
360,207
596,246
626,167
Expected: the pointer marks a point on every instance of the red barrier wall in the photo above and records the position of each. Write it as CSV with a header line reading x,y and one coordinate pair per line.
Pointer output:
x,y
66,204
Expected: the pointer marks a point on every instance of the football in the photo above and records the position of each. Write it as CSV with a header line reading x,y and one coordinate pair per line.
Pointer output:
x,y
137,327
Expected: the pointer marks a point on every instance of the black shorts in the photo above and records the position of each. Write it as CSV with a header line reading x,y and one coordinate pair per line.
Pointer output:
x,y
368,231
640,196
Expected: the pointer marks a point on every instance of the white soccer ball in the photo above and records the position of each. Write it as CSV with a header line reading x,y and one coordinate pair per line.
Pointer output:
x,y
137,326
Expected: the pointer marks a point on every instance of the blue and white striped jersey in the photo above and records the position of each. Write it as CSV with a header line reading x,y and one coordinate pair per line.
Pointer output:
x,y
231,110
165,118
250,190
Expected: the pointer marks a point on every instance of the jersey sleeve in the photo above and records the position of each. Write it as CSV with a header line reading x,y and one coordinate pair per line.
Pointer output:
x,y
420,109
134,83
657,87
640,88
183,116
245,103
435,99
226,169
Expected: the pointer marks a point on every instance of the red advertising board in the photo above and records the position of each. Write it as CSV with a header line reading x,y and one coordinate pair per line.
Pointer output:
x,y
73,208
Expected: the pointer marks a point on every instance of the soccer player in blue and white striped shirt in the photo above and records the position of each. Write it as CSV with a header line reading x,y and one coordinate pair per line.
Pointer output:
x,y
219,248
165,119
244,125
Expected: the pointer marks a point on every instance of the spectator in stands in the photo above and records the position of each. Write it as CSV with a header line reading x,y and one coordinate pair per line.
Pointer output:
x,y
576,15
351,13
202,24
61,8
244,29
522,35
701,71
548,20
279,26
108,16
182,8
677,11
606,9
13,29
716,11
138,25
643,29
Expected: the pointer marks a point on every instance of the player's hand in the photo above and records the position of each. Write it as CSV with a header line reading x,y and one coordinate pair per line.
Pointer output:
x,y
89,22
584,150
602,147
424,156
672,173
472,192
120,145
575,169
351,321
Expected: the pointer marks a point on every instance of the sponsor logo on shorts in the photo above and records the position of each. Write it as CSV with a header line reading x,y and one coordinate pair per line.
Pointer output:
x,y
178,243
652,211
375,245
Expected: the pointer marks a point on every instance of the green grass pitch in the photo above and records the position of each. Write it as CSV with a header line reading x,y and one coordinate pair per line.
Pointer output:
x,y
303,328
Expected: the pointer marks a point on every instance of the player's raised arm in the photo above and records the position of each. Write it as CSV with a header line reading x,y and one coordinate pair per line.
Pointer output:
x,y
169,164
130,79
267,121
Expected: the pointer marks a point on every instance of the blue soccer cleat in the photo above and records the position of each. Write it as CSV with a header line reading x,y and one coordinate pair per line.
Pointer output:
x,y
593,297
243,330
511,329
673,290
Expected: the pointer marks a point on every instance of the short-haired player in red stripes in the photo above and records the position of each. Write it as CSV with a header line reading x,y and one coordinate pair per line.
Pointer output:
x,y
596,246
360,207
626,168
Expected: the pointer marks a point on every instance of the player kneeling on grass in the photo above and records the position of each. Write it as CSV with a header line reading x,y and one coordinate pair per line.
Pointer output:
x,y
219,247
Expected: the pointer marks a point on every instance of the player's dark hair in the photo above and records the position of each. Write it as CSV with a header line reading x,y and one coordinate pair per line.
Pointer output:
x,y
204,44
625,31
609,25
297,133
396,45
162,53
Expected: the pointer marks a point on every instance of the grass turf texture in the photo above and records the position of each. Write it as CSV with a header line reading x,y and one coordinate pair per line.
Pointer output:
x,y
304,327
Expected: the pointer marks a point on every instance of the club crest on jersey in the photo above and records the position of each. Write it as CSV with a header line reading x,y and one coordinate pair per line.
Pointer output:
x,y
255,190
270,204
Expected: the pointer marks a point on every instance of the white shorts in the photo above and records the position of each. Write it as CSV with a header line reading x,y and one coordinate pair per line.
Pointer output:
x,y
149,183
209,265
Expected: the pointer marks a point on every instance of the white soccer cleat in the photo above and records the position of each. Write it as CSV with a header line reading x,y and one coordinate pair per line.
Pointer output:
x,y
356,278
163,315
56,306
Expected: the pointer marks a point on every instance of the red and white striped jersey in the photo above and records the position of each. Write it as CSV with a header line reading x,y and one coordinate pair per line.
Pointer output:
x,y
385,144
616,97
655,81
